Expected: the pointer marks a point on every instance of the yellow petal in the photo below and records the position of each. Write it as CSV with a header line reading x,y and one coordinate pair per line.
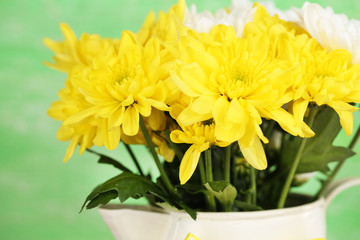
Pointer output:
x,y
86,141
229,134
157,104
284,119
143,107
194,77
110,137
167,153
344,110
68,34
130,124
204,59
76,118
203,104
157,120
189,162
71,148
299,109
65,133
247,139
237,113
255,154
178,136
220,110
346,121
188,116
183,86
116,118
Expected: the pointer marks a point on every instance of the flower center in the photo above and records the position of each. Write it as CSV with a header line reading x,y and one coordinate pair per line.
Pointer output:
x,y
123,77
208,122
240,76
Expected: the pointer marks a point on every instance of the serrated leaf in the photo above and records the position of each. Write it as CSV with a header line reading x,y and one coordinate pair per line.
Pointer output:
x,y
126,185
224,192
102,199
313,160
108,160
318,151
247,206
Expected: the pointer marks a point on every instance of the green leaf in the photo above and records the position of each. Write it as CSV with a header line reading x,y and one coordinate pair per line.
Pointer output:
x,y
224,192
102,199
312,161
247,206
107,160
319,151
126,185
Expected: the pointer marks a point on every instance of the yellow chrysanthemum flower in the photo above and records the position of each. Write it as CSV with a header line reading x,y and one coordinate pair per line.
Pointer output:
x,y
108,88
271,25
72,52
235,82
286,41
84,133
201,136
328,78
166,27
120,88
319,76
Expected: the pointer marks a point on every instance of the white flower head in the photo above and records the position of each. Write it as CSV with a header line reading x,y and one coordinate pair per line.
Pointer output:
x,y
332,31
240,13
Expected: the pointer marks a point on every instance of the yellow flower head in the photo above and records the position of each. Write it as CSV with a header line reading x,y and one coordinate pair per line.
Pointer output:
x,y
166,27
116,87
84,133
72,52
234,81
201,136
327,78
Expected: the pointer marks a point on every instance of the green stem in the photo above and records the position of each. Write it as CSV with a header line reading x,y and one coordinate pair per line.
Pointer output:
x,y
134,159
203,180
235,172
209,178
169,187
337,168
202,170
290,177
227,163
208,165
355,139
253,185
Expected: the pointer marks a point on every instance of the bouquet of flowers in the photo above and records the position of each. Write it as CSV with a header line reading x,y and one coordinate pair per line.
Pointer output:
x,y
233,106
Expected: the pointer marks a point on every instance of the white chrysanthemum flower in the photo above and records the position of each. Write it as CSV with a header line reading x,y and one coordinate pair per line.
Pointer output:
x,y
240,13
332,31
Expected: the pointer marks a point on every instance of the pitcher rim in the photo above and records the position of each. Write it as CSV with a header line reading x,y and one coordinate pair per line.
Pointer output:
x,y
300,209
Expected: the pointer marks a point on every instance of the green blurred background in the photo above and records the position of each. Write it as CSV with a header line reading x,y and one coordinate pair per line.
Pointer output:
x,y
40,195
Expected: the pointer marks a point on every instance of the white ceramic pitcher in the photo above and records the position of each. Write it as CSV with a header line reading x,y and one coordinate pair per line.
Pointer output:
x,y
303,222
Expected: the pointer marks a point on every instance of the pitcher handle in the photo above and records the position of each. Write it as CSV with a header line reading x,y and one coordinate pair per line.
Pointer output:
x,y
338,186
